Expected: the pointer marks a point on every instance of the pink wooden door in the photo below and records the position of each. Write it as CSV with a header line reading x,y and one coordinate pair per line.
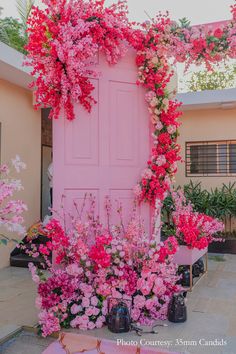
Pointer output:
x,y
104,152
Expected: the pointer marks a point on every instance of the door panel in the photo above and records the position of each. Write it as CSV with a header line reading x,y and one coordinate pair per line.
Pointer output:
x,y
104,152
82,135
123,106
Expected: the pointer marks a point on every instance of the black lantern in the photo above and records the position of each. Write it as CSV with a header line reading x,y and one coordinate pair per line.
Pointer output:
x,y
185,276
198,268
118,318
177,311
200,263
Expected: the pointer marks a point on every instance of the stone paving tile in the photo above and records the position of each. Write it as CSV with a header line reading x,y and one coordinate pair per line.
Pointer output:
x,y
6,330
17,297
200,304
25,343
232,327
220,306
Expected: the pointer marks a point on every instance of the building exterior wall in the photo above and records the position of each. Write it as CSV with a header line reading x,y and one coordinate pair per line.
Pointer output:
x,y
21,134
206,125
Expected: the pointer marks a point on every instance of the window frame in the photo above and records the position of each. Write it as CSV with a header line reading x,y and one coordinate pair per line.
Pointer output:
x,y
188,144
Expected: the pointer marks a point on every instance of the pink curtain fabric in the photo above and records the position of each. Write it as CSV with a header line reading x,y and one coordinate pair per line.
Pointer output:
x,y
73,343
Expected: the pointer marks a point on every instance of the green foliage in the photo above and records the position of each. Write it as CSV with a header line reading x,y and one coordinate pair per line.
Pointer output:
x,y
215,80
12,33
12,30
184,22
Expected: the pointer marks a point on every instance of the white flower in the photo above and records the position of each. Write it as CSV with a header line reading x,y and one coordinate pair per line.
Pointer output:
x,y
154,102
161,160
18,164
165,102
157,112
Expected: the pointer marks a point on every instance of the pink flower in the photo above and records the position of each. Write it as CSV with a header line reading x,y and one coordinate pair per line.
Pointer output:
x,y
49,322
171,129
96,311
91,325
218,33
75,309
85,302
94,300
89,311
99,324
139,301
135,314
147,173
74,269
150,303
38,302
159,125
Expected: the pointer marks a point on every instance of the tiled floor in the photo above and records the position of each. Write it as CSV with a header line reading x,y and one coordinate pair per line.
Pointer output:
x,y
211,313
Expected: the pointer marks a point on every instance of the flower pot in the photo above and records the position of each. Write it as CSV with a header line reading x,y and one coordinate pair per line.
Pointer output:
x,y
186,256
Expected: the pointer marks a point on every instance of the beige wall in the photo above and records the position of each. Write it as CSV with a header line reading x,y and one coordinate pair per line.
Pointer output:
x,y
205,125
21,134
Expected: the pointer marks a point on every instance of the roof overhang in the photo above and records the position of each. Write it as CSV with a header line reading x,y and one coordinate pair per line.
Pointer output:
x,y
11,67
209,99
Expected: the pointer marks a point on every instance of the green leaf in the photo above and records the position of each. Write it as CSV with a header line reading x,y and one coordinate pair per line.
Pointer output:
x,y
24,8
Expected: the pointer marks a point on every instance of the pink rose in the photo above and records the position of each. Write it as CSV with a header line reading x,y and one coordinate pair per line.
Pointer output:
x,y
99,324
94,300
139,301
100,321
96,311
85,302
135,314
150,303
89,311
75,309
146,289
91,325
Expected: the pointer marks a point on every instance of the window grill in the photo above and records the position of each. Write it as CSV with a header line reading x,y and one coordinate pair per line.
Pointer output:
x,y
210,158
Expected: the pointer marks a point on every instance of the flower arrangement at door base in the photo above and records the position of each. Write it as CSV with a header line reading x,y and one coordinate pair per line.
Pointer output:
x,y
121,263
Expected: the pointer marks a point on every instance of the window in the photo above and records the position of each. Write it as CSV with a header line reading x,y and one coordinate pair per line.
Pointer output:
x,y
211,158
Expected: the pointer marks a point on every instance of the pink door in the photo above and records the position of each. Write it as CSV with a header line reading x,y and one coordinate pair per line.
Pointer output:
x,y
104,152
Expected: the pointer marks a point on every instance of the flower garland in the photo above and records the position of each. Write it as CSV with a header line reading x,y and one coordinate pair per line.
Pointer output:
x,y
164,40
65,38
154,75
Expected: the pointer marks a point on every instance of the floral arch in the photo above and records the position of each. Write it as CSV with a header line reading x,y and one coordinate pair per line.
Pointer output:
x,y
64,39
